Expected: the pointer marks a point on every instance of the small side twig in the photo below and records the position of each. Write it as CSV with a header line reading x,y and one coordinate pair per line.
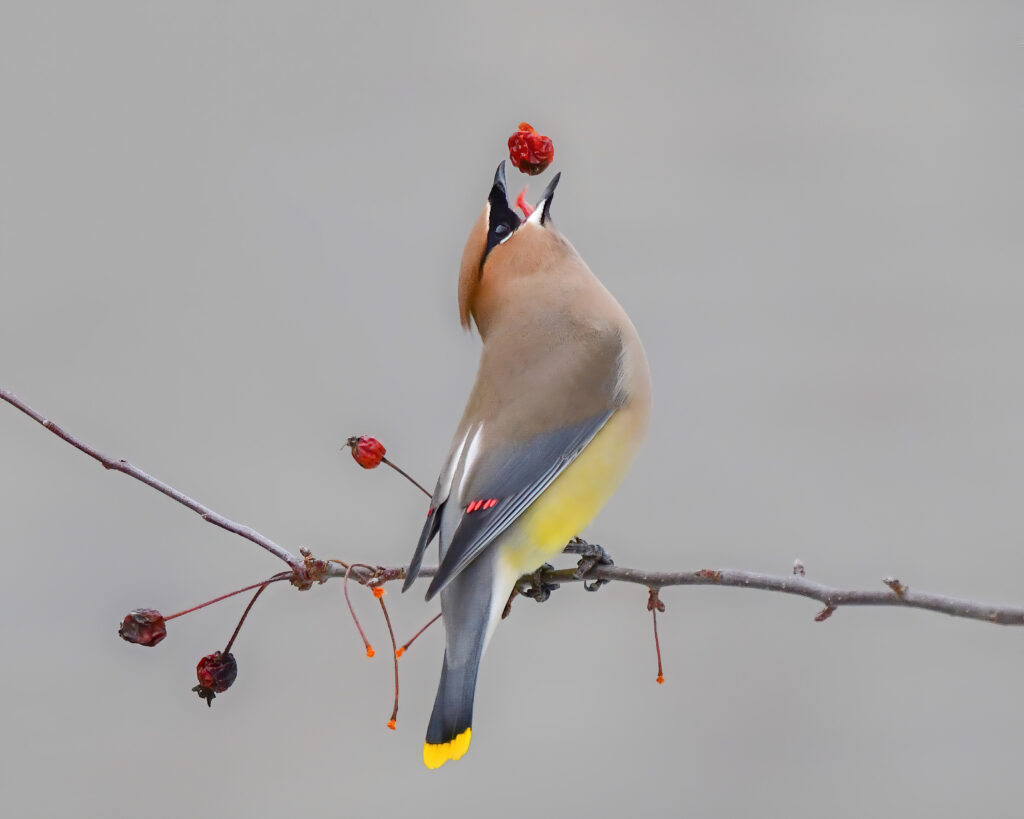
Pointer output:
x,y
824,614
654,605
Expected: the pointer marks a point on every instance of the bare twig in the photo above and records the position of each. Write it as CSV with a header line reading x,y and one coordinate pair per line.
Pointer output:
x,y
897,594
799,585
296,563
654,605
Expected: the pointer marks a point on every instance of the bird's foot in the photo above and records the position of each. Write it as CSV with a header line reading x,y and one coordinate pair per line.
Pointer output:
x,y
533,584
591,555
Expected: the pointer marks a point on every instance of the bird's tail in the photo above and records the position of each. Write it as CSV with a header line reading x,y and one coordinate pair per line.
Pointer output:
x,y
450,728
472,604
470,615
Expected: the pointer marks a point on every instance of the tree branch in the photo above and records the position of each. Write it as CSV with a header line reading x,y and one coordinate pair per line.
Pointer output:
x,y
832,597
296,563
306,570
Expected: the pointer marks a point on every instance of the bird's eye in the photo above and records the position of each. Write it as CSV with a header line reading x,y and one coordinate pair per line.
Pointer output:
x,y
501,230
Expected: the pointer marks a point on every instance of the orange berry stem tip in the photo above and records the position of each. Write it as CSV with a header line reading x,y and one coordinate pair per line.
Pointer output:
x,y
369,651
379,592
392,724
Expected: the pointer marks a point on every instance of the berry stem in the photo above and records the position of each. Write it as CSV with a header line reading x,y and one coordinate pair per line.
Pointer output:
x,y
412,639
407,476
394,654
657,646
273,579
352,611
655,605
238,628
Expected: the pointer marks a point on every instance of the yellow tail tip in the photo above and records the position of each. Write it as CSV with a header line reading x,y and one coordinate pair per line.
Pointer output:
x,y
434,756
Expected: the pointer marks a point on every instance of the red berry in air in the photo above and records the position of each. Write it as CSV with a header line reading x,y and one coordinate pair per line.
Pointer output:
x,y
143,626
216,673
529,151
367,451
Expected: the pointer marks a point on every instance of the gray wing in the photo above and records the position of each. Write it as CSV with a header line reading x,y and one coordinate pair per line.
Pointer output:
x,y
504,485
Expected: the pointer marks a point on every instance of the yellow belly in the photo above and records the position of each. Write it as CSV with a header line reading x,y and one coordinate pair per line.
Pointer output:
x,y
574,497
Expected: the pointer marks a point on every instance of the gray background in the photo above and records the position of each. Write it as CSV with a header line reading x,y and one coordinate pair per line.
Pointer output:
x,y
229,238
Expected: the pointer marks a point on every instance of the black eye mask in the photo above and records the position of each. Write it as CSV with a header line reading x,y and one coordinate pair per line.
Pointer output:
x,y
502,221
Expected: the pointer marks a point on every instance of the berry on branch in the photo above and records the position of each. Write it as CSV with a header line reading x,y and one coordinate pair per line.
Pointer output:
x,y
145,627
216,673
368,452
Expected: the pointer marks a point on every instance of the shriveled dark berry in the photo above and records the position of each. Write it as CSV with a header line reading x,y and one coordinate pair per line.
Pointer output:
x,y
216,673
144,627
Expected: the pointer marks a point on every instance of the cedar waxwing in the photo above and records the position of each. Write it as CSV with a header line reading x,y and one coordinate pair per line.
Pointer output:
x,y
561,401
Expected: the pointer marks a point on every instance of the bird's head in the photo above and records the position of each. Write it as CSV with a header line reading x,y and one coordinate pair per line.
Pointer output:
x,y
502,245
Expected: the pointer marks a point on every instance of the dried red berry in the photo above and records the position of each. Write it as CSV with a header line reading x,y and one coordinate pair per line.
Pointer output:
x,y
144,627
216,673
367,451
529,151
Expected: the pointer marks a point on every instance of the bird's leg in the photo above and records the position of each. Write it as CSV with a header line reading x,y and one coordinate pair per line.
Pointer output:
x,y
591,555
508,606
